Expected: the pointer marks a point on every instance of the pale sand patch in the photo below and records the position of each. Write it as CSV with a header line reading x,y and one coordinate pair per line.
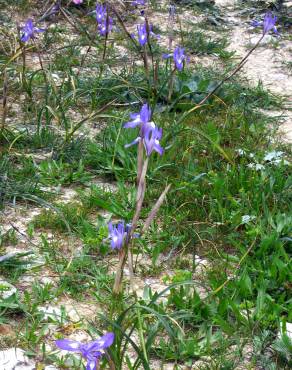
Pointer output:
x,y
15,359
265,64
224,2
75,311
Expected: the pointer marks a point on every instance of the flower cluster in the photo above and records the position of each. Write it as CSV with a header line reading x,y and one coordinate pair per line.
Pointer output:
x,y
149,134
91,351
104,22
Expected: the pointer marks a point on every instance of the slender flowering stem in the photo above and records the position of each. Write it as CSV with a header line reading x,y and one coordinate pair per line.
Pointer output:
x,y
53,9
268,24
239,66
120,270
23,54
41,62
140,195
106,36
146,66
127,250
170,26
212,92
131,264
148,42
142,53
149,138
155,77
139,161
170,85
179,59
116,13
84,57
4,102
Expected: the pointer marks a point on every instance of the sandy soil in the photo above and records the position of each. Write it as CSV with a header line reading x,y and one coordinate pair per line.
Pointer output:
x,y
266,64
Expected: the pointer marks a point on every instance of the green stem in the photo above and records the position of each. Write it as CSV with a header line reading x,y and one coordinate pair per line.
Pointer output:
x,y
142,340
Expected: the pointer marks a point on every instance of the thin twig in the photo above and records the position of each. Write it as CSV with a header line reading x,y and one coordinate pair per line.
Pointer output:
x,y
22,234
155,209
80,123
240,65
125,29
74,25
236,268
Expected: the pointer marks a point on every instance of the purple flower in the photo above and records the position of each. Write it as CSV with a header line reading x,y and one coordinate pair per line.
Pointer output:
x,y
172,10
142,34
100,12
141,119
151,141
268,23
29,31
90,351
77,2
55,8
178,56
105,23
117,234
152,33
138,2
105,26
149,133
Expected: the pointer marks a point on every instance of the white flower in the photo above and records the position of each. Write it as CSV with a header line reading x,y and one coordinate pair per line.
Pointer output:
x,y
259,167
273,155
55,77
256,166
246,219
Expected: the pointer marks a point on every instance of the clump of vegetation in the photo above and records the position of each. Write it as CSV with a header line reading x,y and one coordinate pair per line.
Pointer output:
x,y
179,230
